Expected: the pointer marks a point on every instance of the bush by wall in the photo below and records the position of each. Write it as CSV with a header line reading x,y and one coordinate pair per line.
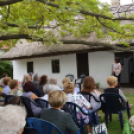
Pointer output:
x,y
6,67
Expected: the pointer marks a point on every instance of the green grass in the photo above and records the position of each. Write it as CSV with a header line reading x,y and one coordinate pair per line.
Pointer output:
x,y
114,125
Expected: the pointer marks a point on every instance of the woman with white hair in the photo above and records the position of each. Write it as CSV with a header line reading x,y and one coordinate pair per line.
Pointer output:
x,y
46,89
12,119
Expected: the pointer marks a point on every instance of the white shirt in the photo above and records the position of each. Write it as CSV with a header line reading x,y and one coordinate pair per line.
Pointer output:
x,y
49,87
45,97
116,68
95,105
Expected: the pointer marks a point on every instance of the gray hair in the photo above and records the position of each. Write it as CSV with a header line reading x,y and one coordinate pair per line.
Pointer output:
x,y
35,77
49,87
12,119
53,80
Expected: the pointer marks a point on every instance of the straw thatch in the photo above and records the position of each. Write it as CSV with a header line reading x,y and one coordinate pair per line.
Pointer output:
x,y
36,49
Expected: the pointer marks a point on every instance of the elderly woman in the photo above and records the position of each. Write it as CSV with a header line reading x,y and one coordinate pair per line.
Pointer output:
x,y
112,82
89,87
14,88
80,101
67,79
62,120
36,80
46,89
12,119
27,92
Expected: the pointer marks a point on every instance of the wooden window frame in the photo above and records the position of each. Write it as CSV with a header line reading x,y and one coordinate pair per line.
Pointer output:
x,y
52,66
33,66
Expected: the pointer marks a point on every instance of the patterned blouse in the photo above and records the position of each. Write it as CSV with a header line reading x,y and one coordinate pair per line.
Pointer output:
x,y
81,102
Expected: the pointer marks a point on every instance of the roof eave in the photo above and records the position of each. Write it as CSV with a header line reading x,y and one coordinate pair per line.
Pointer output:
x,y
57,53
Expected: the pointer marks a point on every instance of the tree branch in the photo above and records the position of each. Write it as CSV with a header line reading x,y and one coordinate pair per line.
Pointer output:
x,y
107,26
8,2
15,36
86,12
33,27
41,19
76,41
8,11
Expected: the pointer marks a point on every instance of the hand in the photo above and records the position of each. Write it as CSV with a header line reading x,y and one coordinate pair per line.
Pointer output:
x,y
99,92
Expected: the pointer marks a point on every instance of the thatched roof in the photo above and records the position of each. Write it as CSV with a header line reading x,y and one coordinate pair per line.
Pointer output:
x,y
36,49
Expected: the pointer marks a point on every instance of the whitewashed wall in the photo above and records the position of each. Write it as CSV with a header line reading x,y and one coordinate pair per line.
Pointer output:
x,y
43,66
1,51
100,65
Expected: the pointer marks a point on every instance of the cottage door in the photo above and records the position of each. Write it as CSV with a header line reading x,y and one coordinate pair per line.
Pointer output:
x,y
82,64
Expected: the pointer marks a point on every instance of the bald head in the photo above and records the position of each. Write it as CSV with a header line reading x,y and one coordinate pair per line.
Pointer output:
x,y
53,81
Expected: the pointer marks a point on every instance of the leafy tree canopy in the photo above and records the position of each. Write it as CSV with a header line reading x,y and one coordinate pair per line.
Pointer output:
x,y
30,19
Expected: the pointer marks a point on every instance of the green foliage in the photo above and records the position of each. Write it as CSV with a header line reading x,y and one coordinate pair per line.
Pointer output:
x,y
6,67
97,84
35,13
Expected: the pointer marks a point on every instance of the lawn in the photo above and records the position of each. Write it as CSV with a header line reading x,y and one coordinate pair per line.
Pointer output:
x,y
114,126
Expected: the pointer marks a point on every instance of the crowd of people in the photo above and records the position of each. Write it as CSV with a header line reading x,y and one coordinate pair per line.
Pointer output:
x,y
56,97
13,115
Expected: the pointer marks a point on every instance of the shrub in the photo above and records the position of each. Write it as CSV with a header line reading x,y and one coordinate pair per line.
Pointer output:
x,y
6,67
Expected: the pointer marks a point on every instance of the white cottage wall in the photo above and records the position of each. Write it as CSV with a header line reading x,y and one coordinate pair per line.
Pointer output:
x,y
100,66
43,66
1,51
19,69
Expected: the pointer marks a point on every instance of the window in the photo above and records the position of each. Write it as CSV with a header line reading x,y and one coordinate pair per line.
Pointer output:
x,y
55,66
30,67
